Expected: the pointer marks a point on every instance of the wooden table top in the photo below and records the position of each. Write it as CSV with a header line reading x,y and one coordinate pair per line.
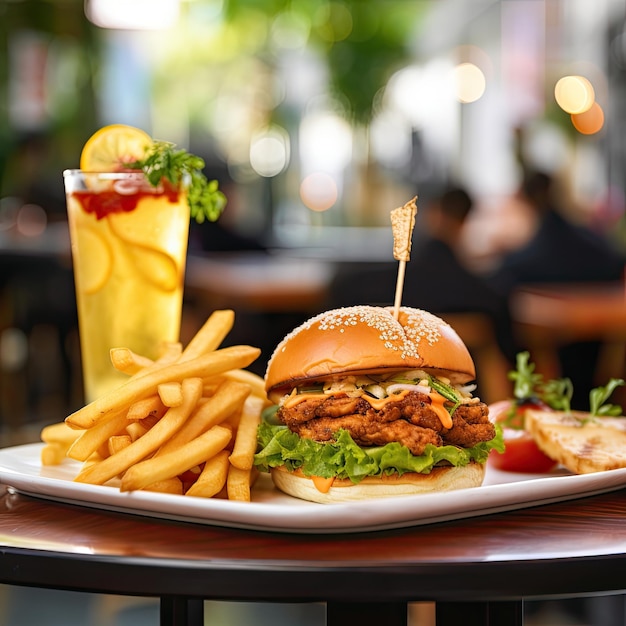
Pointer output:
x,y
258,282
575,547
579,311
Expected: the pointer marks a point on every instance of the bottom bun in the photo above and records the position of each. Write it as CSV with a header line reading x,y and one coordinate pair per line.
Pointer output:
x,y
440,479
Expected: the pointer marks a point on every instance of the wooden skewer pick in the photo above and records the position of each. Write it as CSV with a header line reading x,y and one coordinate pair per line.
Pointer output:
x,y
402,225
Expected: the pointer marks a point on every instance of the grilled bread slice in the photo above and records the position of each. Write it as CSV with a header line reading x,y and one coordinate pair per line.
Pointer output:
x,y
579,441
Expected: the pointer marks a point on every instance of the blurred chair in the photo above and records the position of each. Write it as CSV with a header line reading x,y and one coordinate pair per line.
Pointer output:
x,y
39,362
548,317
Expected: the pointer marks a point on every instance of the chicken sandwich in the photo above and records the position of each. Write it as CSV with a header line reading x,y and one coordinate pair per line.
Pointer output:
x,y
370,405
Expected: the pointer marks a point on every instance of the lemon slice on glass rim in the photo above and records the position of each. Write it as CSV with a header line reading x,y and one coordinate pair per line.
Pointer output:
x,y
109,148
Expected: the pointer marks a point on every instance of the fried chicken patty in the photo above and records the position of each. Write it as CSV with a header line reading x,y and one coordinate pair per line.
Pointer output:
x,y
410,421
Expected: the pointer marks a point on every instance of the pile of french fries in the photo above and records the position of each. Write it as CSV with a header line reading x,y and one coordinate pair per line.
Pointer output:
x,y
184,423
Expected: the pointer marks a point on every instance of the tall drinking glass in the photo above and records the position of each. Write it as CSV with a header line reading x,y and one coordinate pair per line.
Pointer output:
x,y
129,247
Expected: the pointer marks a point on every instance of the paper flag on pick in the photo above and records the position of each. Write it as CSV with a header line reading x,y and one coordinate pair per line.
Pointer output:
x,y
402,225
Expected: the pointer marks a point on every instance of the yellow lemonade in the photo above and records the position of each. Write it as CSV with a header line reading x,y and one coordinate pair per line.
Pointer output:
x,y
129,247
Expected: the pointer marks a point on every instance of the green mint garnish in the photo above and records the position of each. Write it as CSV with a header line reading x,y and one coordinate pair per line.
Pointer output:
x,y
163,160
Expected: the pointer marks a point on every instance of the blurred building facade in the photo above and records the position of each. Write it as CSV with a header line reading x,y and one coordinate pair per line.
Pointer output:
x,y
322,114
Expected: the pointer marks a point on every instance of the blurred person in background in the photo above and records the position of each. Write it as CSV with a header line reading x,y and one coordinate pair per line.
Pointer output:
x,y
560,251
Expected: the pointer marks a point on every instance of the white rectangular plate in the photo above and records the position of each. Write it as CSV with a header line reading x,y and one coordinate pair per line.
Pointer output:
x,y
270,510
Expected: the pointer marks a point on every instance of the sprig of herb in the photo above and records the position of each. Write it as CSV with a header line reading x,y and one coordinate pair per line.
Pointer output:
x,y
557,394
524,377
598,399
163,160
530,388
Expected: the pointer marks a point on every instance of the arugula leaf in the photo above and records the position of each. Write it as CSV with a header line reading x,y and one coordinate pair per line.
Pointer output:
x,y
557,394
599,396
524,377
164,161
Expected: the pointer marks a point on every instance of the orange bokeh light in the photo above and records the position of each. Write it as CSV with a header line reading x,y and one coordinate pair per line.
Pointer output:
x,y
318,191
589,122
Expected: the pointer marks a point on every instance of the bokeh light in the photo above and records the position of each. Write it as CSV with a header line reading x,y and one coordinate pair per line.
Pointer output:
x,y
590,121
574,94
290,30
31,220
469,53
422,94
318,191
325,141
470,82
133,14
333,21
269,152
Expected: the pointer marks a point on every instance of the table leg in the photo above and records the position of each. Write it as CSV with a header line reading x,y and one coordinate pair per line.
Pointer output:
x,y
480,613
177,611
366,613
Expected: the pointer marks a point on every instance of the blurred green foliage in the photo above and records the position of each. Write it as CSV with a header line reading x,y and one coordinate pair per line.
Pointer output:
x,y
363,41
217,42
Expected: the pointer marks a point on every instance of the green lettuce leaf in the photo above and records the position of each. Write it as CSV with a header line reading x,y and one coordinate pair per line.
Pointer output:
x,y
343,458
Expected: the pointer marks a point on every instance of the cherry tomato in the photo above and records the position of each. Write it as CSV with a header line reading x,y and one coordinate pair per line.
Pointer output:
x,y
521,453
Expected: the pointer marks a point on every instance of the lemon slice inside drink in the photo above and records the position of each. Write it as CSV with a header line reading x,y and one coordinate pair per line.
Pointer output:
x,y
95,267
111,147
154,264
157,267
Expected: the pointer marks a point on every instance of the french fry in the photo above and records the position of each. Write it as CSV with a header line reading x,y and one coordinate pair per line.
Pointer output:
x,y
228,399
144,385
212,478
166,466
211,386
170,485
93,459
136,430
171,393
245,446
126,361
150,406
53,453
232,421
131,363
239,482
210,335
59,433
183,422
170,351
149,421
103,450
118,442
92,439
115,464
257,384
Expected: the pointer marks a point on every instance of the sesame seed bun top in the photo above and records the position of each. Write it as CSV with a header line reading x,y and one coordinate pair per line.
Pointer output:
x,y
367,339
